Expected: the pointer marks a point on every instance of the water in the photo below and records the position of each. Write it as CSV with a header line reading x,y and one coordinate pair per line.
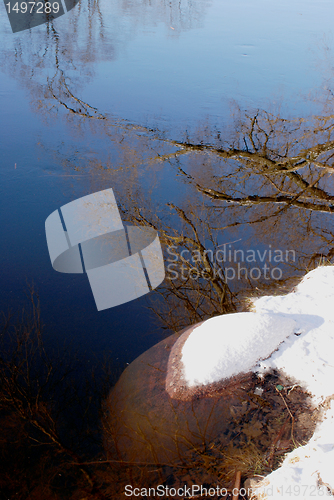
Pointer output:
x,y
94,99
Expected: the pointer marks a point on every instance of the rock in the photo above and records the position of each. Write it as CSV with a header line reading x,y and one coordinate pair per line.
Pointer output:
x,y
146,425
250,486
177,386
217,355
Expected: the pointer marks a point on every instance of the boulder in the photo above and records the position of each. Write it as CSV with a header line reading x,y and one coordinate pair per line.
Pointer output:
x,y
154,415
218,354
145,424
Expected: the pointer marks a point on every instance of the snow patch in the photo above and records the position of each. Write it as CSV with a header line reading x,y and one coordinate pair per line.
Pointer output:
x,y
307,472
307,358
227,345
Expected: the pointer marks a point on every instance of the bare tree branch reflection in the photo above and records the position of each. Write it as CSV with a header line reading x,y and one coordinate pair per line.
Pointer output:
x,y
290,179
276,184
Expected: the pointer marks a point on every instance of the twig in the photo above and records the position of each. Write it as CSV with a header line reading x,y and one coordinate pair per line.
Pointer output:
x,y
292,417
236,488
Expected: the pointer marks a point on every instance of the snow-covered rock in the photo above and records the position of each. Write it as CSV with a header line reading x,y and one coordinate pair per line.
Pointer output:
x,y
150,427
225,346
293,333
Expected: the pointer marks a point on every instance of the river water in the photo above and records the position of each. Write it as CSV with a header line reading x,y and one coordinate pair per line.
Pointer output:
x,y
92,101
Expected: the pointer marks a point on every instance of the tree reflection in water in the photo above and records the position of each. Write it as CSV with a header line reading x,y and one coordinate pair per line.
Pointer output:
x,y
260,180
270,188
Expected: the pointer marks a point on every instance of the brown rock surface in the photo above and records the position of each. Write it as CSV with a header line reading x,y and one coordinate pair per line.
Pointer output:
x,y
147,425
176,385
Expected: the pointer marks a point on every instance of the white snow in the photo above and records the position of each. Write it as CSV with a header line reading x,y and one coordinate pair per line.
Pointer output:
x,y
309,358
226,345
307,472
301,324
